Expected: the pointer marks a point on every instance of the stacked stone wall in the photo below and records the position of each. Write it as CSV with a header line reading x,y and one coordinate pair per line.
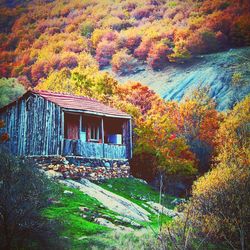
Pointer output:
x,y
78,167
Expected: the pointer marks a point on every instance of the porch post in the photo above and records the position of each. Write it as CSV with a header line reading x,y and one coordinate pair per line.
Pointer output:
x,y
103,146
62,131
130,138
80,127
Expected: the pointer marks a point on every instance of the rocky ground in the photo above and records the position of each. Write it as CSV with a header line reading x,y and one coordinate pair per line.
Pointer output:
x,y
214,70
60,167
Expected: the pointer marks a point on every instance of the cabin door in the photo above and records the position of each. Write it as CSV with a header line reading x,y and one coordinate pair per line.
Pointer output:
x,y
72,126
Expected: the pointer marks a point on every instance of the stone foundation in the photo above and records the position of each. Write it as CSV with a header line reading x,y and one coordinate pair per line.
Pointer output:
x,y
74,167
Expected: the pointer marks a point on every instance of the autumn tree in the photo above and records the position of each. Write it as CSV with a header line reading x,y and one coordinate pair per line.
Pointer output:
x,y
198,122
157,137
123,63
157,56
104,52
221,198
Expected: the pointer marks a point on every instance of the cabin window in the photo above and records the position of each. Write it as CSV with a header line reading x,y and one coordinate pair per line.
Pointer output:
x,y
94,126
94,132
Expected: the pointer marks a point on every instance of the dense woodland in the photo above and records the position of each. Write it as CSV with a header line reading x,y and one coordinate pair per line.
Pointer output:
x,y
39,39
62,45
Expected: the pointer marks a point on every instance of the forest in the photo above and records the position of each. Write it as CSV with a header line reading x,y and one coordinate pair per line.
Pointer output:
x,y
65,46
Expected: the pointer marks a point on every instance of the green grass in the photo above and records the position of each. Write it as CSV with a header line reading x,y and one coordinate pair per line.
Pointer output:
x,y
139,192
135,190
84,233
68,213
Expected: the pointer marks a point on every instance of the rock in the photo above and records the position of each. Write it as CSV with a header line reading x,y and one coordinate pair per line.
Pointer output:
x,y
83,209
161,209
53,174
124,219
82,237
109,224
135,224
128,220
105,222
112,201
141,180
67,192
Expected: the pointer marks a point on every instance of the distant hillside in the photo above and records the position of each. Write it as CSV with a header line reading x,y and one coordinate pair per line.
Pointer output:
x,y
39,38
215,70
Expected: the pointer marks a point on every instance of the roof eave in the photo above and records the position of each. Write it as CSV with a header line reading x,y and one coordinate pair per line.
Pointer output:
x,y
96,113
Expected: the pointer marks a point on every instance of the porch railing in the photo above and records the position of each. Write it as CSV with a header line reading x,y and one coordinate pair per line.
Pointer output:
x,y
95,150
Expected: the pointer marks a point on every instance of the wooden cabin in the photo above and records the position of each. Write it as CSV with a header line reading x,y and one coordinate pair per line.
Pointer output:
x,y
42,123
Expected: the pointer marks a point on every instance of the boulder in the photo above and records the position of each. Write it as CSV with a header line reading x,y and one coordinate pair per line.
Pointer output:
x,y
163,210
53,174
67,192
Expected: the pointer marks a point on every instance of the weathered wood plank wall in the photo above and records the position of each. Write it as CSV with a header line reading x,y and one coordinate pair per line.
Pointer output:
x,y
127,137
33,125
95,150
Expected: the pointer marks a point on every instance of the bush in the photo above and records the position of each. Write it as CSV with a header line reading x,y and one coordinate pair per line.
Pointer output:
x,y
24,193
157,56
104,52
10,89
210,43
87,29
180,54
123,63
221,200
141,52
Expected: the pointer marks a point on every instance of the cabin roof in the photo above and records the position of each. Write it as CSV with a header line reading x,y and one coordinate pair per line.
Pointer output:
x,y
78,103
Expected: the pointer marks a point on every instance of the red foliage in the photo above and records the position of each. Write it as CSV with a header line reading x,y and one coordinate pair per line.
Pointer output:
x,y
157,56
38,71
130,42
142,51
104,52
4,137
68,61
143,12
172,137
139,95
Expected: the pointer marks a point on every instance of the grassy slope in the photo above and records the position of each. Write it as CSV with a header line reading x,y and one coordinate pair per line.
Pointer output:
x,y
139,193
75,226
91,234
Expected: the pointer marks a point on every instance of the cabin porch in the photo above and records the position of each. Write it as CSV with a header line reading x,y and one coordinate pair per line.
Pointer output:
x,y
95,136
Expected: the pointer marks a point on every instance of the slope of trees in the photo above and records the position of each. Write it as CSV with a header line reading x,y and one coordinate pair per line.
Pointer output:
x,y
39,38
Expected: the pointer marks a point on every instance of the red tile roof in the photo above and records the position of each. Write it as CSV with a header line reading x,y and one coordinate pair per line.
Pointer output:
x,y
69,101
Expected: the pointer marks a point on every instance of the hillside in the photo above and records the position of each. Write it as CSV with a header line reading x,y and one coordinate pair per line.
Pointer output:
x,y
91,223
40,38
215,70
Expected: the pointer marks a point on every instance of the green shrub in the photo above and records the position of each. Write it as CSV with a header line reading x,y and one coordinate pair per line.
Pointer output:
x,y
10,89
24,193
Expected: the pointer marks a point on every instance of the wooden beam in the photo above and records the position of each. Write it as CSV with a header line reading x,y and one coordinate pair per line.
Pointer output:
x,y
96,113
62,131
80,127
130,138
103,148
